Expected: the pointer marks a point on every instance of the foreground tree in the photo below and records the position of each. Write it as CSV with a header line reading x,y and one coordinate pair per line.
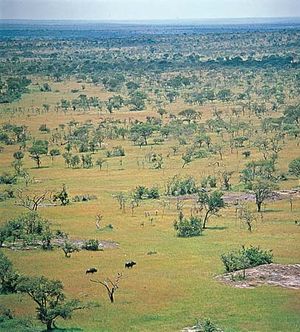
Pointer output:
x,y
50,299
8,277
211,203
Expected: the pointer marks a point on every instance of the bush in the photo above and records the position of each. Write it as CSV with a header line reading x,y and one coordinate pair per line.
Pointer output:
x,y
188,227
7,178
246,258
91,244
181,186
206,325
117,151
84,198
142,192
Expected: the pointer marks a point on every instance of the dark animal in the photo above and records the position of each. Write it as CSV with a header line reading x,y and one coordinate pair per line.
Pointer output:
x,y
130,264
91,270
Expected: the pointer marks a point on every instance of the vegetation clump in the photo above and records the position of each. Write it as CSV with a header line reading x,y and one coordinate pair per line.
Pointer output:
x,y
188,227
245,258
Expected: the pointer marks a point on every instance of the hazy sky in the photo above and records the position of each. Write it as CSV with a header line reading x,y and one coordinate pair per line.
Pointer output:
x,y
146,9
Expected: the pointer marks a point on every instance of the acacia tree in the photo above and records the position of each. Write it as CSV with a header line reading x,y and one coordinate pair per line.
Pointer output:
x,y
262,190
211,203
38,149
50,299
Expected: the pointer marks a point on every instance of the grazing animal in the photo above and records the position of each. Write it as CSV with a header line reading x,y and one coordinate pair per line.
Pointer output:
x,y
129,264
91,270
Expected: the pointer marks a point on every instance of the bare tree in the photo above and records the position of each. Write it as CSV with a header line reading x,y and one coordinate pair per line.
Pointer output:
x,y
111,286
31,202
99,217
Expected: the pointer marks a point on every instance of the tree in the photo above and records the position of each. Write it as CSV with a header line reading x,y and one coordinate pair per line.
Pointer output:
x,y
68,248
144,130
226,176
246,216
38,149
111,286
121,198
189,115
262,190
100,162
31,202
294,167
54,153
8,277
62,196
187,157
211,203
50,299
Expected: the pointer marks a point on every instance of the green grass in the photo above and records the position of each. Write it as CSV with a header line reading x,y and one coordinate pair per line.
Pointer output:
x,y
175,287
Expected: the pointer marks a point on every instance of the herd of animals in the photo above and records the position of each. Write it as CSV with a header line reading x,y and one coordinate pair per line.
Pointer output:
x,y
128,265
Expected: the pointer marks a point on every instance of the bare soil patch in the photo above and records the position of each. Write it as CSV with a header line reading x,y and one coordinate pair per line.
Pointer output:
x,y
287,276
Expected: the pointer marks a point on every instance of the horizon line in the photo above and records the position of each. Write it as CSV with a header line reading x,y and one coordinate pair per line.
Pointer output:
x,y
154,20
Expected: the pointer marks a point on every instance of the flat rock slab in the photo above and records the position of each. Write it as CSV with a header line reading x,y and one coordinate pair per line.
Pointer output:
x,y
287,276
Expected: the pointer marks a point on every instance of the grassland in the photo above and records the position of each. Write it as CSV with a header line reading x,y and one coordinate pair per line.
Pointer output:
x,y
171,289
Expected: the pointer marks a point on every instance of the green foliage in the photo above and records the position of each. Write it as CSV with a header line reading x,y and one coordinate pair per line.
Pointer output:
x,y
211,203
38,148
44,129
246,258
142,192
28,227
62,196
294,167
181,186
206,325
262,190
91,244
13,88
188,227
68,248
49,297
8,277
117,151
6,178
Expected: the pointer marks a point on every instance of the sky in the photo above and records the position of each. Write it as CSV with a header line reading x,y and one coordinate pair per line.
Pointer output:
x,y
146,9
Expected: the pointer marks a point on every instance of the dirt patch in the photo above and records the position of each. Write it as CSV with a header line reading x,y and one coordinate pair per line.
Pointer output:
x,y
287,276
231,197
234,197
18,245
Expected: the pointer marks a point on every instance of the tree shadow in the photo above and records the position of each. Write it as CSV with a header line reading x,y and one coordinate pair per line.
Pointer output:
x,y
67,329
217,228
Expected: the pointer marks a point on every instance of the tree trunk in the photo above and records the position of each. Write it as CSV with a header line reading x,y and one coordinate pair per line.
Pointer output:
x,y
258,206
111,297
205,219
49,325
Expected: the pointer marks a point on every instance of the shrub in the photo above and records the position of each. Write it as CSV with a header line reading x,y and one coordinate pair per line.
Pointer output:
x,y
206,325
117,151
91,244
181,186
188,227
7,178
44,129
142,192
84,198
246,258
